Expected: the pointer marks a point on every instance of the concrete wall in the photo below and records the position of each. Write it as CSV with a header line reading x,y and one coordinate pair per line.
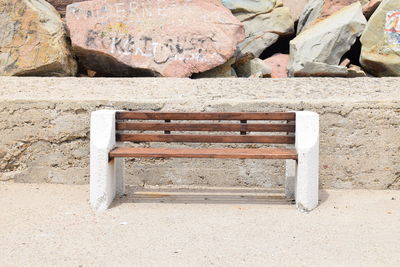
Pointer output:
x,y
44,127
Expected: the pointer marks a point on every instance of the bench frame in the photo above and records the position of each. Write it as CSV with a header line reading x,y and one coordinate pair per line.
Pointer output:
x,y
106,175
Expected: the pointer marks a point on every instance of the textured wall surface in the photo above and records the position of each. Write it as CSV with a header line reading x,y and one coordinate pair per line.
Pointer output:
x,y
44,127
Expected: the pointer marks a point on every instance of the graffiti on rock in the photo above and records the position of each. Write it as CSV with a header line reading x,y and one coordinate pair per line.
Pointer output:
x,y
135,11
196,48
392,30
130,28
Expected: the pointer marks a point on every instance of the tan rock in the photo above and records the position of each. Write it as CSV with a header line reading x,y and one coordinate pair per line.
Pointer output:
x,y
33,40
380,53
278,64
141,38
256,75
354,71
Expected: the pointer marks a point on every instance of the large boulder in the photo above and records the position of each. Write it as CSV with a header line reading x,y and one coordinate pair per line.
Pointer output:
x,y
318,49
61,5
264,21
33,40
380,53
317,10
141,38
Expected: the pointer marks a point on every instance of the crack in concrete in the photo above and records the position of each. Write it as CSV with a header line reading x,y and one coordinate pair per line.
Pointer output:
x,y
10,160
395,181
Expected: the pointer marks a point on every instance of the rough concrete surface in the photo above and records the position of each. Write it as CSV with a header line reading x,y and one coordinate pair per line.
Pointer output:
x,y
52,225
44,128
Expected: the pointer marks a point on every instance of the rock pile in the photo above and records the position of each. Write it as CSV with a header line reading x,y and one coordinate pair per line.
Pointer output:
x,y
199,39
319,47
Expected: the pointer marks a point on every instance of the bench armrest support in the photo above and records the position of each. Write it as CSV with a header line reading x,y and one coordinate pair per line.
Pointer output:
x,y
307,146
106,177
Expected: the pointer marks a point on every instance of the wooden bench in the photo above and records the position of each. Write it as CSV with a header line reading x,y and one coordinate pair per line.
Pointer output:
x,y
297,130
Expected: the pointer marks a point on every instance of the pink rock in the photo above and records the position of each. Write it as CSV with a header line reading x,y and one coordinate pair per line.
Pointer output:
x,y
345,62
61,5
295,7
278,64
370,7
171,38
332,6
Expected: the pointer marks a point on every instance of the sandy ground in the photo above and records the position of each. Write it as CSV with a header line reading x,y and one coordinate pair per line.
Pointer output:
x,y
52,225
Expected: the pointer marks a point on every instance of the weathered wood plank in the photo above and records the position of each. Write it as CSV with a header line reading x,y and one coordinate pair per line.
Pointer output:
x,y
267,139
205,115
211,127
233,153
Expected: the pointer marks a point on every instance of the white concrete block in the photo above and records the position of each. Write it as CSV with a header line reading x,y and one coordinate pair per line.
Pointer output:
x,y
307,146
105,178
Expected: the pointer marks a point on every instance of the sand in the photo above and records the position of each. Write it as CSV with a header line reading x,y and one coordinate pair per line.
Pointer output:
x,y
53,225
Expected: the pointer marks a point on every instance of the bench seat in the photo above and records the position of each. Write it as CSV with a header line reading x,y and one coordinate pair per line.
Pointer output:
x,y
224,153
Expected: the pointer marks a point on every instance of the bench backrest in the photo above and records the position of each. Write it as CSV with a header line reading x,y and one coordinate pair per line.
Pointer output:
x,y
239,124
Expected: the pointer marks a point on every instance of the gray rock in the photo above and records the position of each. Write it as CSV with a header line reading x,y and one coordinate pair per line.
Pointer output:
x,y
251,6
254,68
310,13
317,10
326,41
318,69
380,53
264,22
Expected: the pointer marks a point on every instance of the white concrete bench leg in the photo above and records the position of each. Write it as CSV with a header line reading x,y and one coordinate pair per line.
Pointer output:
x,y
106,177
307,146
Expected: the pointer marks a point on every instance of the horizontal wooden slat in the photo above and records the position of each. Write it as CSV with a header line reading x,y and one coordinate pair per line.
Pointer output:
x,y
233,153
281,139
205,116
222,127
